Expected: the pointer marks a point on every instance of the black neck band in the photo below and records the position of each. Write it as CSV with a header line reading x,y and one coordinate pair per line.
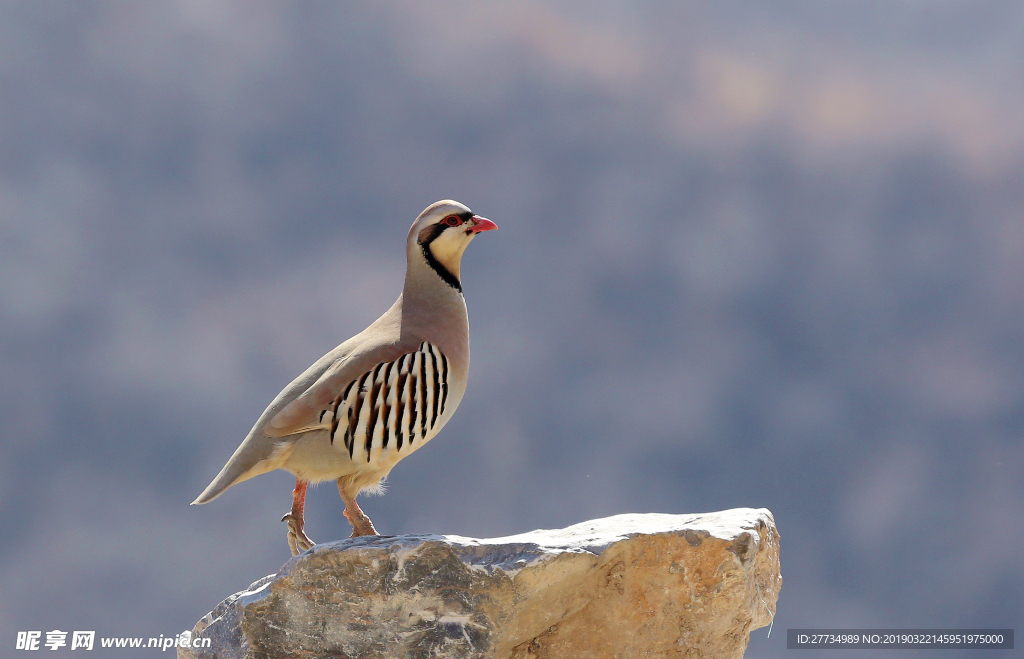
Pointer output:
x,y
435,265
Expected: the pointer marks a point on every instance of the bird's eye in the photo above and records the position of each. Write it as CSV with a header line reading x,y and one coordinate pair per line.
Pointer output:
x,y
452,220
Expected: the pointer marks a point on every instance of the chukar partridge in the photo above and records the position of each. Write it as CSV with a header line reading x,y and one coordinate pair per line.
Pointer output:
x,y
379,396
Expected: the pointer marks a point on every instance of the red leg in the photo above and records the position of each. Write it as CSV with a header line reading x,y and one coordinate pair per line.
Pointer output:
x,y
361,524
297,540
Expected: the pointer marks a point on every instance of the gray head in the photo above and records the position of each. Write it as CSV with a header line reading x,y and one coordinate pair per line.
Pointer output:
x,y
441,234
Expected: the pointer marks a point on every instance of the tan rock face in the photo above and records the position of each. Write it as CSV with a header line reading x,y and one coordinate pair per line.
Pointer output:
x,y
625,586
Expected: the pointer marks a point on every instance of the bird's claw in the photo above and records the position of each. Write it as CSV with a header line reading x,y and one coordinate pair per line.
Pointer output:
x,y
361,524
298,541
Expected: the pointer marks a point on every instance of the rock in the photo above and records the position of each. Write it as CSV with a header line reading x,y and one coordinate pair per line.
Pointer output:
x,y
626,586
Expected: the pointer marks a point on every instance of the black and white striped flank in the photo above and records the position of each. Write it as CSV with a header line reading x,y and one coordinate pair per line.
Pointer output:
x,y
393,406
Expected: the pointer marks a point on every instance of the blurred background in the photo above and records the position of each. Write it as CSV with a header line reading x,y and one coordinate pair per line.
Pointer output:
x,y
763,254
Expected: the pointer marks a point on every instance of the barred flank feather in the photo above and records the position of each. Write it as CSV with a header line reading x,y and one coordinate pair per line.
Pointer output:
x,y
402,399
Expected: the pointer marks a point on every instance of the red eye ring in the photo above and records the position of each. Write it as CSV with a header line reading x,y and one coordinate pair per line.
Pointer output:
x,y
452,220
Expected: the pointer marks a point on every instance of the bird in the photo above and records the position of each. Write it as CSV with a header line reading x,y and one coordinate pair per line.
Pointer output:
x,y
379,396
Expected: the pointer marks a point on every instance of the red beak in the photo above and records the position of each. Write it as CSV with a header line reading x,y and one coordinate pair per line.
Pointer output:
x,y
482,224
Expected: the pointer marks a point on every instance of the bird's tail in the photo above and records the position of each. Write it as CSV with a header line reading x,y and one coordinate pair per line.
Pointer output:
x,y
249,459
222,482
